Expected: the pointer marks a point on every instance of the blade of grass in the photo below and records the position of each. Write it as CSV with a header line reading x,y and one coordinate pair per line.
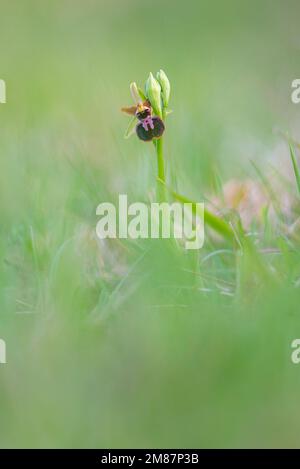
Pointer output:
x,y
295,166
269,190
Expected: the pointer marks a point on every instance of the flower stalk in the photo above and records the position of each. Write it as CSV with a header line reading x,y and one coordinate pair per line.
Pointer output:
x,y
161,192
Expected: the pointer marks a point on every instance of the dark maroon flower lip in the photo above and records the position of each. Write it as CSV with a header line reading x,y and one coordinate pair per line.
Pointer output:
x,y
153,128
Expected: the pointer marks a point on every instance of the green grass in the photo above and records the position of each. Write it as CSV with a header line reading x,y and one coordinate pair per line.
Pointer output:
x,y
295,167
132,343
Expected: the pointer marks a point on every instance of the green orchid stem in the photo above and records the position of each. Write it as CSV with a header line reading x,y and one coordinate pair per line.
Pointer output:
x,y
161,190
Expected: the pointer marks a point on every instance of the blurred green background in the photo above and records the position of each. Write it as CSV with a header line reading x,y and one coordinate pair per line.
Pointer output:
x,y
128,344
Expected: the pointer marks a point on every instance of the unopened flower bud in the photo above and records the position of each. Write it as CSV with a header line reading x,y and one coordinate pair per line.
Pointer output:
x,y
153,91
165,87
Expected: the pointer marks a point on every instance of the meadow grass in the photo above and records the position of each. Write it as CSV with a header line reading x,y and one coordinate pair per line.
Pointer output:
x,y
125,343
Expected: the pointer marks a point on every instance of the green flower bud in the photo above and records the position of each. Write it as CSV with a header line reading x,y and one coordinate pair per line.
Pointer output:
x,y
153,91
165,87
142,95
